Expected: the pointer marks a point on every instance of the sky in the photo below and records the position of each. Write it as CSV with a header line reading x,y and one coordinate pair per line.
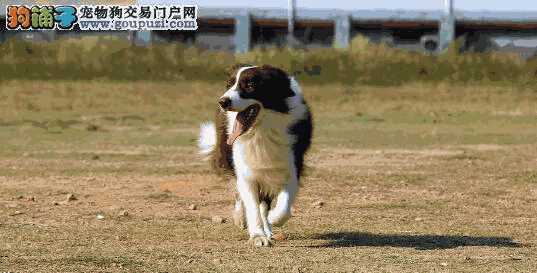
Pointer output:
x,y
475,5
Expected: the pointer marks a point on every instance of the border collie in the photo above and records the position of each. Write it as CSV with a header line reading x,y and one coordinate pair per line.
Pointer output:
x,y
262,131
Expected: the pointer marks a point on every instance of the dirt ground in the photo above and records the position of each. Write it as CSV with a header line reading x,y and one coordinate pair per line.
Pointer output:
x,y
105,177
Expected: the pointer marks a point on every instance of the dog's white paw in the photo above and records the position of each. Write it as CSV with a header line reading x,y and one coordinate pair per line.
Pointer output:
x,y
239,221
260,241
239,218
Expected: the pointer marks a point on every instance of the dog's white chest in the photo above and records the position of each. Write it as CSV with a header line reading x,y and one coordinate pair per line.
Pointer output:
x,y
266,155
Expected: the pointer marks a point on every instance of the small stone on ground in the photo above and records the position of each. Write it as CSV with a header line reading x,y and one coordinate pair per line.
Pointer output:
x,y
218,219
70,197
280,236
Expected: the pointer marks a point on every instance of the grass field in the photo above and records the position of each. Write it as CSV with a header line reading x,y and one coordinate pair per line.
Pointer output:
x,y
417,178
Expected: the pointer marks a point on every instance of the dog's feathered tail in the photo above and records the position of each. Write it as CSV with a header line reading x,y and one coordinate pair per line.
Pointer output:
x,y
207,139
213,146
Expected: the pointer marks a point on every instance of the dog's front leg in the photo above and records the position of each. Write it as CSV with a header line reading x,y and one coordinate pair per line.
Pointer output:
x,y
249,195
264,210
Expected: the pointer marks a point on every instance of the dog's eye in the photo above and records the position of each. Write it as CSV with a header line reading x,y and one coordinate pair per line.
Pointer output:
x,y
250,87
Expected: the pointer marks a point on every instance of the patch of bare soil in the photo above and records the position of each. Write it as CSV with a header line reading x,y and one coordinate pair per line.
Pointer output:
x,y
434,210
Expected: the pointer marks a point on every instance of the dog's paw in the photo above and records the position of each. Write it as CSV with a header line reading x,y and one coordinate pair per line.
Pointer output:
x,y
260,241
239,221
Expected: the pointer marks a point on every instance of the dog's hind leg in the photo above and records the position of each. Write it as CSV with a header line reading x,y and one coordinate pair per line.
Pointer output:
x,y
239,219
282,210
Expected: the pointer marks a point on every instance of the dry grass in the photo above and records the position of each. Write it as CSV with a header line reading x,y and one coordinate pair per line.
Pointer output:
x,y
418,178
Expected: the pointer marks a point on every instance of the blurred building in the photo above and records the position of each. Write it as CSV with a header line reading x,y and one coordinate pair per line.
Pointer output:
x,y
240,29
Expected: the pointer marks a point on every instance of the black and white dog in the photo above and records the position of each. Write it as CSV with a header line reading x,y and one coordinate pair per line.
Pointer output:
x,y
263,130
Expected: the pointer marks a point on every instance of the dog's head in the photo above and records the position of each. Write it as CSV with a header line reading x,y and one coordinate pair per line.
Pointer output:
x,y
252,89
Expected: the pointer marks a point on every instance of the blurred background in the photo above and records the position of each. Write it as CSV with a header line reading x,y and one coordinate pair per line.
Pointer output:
x,y
300,36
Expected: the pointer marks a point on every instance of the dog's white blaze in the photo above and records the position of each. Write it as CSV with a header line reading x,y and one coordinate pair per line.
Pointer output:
x,y
238,103
238,75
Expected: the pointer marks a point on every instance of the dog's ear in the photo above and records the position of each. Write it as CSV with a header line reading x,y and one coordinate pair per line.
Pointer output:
x,y
288,92
278,79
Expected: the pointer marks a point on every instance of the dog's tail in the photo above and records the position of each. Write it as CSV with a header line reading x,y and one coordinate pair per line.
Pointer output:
x,y
212,145
207,139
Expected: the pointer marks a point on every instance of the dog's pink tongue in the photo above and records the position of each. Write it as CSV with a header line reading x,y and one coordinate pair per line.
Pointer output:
x,y
238,129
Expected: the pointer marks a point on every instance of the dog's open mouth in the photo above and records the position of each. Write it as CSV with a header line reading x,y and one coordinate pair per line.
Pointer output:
x,y
244,120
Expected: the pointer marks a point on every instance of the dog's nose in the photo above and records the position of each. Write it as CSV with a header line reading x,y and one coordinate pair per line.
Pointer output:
x,y
225,103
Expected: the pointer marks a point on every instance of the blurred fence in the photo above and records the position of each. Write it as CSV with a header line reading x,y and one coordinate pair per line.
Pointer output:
x,y
242,29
